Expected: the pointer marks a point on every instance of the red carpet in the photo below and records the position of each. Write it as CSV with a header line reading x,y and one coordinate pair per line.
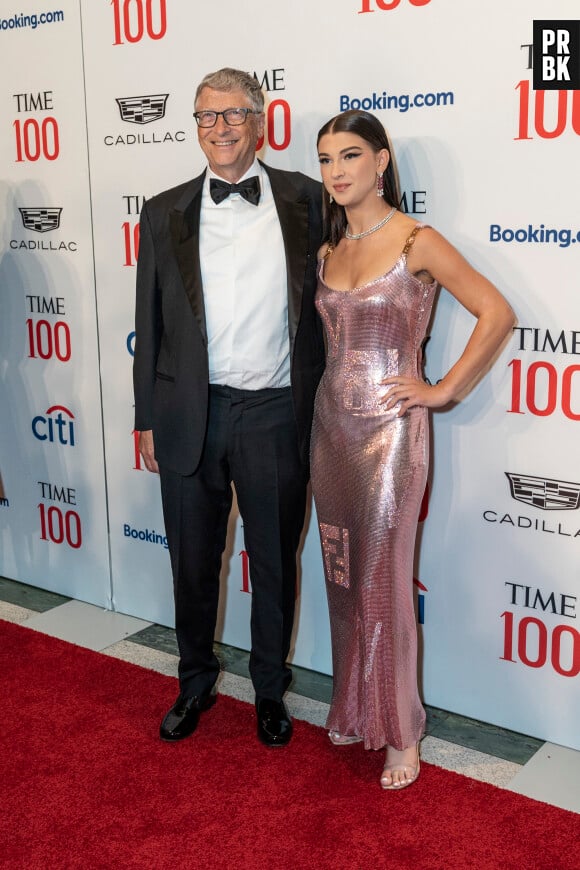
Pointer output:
x,y
86,783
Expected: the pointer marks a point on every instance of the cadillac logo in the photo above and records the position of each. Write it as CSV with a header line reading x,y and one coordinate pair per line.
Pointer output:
x,y
544,493
41,220
142,110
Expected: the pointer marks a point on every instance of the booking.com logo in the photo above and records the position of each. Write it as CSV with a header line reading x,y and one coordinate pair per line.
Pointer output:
x,y
402,102
32,21
534,235
150,536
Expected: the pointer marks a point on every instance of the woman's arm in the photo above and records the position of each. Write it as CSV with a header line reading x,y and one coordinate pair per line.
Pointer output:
x,y
433,254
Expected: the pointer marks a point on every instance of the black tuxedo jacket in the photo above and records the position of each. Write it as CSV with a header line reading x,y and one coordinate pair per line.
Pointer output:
x,y
170,371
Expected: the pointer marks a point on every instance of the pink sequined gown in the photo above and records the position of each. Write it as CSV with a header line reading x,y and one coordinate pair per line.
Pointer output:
x,y
369,471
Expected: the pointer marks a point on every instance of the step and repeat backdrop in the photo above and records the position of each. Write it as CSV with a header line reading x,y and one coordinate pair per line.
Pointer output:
x,y
97,102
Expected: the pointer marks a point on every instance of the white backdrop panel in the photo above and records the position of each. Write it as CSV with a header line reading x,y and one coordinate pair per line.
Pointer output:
x,y
490,163
54,527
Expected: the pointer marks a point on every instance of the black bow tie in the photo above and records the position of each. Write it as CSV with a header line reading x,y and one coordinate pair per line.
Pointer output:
x,y
249,189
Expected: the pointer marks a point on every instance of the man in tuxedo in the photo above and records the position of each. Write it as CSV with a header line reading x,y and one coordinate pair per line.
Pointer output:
x,y
228,356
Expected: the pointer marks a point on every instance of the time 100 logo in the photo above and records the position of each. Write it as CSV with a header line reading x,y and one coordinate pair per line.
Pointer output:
x,y
387,5
134,19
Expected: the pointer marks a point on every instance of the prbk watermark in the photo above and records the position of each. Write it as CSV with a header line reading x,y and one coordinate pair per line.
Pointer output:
x,y
556,55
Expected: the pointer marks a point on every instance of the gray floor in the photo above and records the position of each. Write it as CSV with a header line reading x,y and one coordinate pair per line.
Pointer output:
x,y
504,758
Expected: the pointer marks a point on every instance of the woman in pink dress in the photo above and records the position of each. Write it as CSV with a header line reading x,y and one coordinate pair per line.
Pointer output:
x,y
379,272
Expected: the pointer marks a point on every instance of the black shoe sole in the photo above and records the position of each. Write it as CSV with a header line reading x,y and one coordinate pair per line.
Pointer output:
x,y
270,745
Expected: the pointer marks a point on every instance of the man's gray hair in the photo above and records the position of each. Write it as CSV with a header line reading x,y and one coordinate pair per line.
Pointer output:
x,y
228,79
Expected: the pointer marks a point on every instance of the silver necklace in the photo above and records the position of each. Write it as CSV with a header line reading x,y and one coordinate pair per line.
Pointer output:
x,y
385,220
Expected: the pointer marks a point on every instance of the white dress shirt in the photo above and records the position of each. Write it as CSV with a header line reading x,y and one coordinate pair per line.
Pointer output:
x,y
243,269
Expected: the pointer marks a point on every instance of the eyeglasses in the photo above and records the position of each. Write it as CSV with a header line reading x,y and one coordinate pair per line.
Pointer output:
x,y
232,117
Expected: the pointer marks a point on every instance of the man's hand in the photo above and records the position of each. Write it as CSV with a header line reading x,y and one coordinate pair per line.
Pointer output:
x,y
147,450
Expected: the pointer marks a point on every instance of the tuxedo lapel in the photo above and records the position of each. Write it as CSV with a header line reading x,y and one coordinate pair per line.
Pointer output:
x,y
293,215
184,230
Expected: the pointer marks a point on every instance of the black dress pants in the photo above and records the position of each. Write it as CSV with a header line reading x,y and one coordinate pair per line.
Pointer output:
x,y
251,441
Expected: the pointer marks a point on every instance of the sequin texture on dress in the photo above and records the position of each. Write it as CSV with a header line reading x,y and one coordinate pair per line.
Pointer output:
x,y
369,470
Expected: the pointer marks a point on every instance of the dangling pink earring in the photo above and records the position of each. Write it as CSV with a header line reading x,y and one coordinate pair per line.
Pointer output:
x,y
330,198
380,184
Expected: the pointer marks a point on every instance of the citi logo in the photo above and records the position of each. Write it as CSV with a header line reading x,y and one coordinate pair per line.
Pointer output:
x,y
421,589
56,426
142,110
40,220
544,492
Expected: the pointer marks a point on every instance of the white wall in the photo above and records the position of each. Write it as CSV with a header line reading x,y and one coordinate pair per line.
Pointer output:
x,y
494,154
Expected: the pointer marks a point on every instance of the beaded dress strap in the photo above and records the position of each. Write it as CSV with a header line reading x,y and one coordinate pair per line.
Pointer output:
x,y
412,238
329,250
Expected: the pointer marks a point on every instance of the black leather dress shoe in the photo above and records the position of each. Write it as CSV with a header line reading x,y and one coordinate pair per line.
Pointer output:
x,y
182,719
274,723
